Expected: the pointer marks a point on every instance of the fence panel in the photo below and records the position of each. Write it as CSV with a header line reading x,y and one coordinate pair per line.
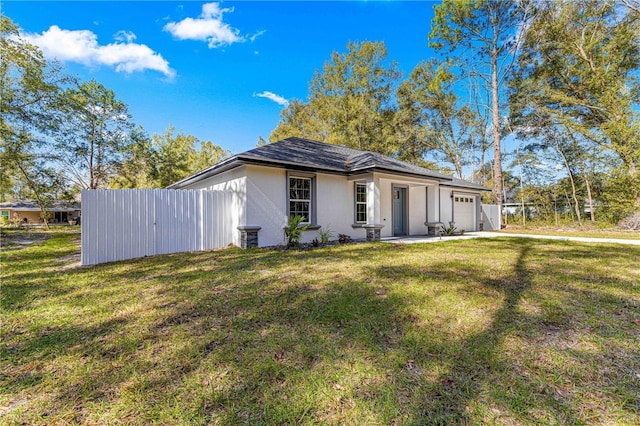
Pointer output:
x,y
491,217
128,223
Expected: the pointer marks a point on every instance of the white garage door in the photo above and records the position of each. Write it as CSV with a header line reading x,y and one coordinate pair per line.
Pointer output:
x,y
464,212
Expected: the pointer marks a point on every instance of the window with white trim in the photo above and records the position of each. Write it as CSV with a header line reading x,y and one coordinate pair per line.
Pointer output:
x,y
361,202
300,198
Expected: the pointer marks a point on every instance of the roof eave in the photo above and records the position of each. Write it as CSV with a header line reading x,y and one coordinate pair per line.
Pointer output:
x,y
475,188
395,171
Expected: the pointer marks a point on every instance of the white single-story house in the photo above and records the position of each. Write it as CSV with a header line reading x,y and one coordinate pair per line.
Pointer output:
x,y
358,193
28,212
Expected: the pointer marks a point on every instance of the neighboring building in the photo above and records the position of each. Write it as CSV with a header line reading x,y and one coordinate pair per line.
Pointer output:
x,y
353,192
27,211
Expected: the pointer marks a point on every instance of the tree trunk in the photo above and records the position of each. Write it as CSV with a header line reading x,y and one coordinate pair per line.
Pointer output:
x,y
566,196
586,181
495,107
573,187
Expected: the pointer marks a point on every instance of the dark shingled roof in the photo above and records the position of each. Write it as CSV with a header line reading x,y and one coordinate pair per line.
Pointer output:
x,y
32,205
323,156
304,154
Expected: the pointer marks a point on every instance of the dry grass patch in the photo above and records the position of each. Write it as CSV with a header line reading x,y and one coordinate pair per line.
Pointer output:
x,y
588,231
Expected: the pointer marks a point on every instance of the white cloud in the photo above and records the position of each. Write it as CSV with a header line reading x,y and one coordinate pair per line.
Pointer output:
x,y
273,97
82,46
125,36
207,27
256,35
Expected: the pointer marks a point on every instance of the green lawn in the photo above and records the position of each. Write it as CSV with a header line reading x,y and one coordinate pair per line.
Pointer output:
x,y
484,331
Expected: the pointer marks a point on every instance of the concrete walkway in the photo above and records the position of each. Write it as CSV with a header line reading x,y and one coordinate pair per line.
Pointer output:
x,y
489,234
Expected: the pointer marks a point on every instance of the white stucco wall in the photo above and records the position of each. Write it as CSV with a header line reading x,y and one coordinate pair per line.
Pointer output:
x,y
235,182
336,205
433,204
445,205
386,208
260,199
267,204
417,210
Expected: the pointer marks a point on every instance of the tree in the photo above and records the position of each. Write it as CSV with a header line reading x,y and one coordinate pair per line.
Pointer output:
x,y
448,130
136,170
178,156
578,70
206,156
29,94
261,142
41,182
479,103
350,102
94,135
488,32
29,85
299,119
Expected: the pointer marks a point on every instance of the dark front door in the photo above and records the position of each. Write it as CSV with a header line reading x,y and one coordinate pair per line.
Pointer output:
x,y
399,211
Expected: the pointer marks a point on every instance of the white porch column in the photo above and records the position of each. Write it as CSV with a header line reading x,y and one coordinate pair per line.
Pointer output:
x,y
373,225
373,201
434,193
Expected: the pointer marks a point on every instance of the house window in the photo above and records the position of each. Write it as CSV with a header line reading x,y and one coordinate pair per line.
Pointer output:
x,y
300,198
361,203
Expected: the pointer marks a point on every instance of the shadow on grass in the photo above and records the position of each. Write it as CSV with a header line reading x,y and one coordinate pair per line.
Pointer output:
x,y
451,400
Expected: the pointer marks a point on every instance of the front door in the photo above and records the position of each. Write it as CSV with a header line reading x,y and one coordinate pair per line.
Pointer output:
x,y
399,211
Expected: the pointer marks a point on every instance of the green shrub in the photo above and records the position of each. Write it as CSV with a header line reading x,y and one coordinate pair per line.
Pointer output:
x,y
293,231
344,238
325,235
449,230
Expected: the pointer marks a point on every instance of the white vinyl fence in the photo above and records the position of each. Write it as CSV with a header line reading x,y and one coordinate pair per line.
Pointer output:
x,y
490,217
127,223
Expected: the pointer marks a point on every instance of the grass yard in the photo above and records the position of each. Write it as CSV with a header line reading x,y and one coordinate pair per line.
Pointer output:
x,y
573,232
485,331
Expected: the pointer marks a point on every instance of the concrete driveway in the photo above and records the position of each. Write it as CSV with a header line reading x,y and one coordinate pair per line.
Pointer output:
x,y
489,234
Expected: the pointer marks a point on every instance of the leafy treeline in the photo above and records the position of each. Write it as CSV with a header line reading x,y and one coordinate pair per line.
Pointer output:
x,y
559,79
59,135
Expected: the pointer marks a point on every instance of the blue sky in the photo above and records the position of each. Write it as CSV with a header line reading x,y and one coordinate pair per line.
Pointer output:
x,y
219,71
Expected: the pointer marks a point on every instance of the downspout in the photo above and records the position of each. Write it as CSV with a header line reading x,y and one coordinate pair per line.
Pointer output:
x,y
453,217
439,205
426,204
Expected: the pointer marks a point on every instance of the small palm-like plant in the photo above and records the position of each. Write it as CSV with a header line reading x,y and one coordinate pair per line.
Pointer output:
x,y
293,231
449,230
325,235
